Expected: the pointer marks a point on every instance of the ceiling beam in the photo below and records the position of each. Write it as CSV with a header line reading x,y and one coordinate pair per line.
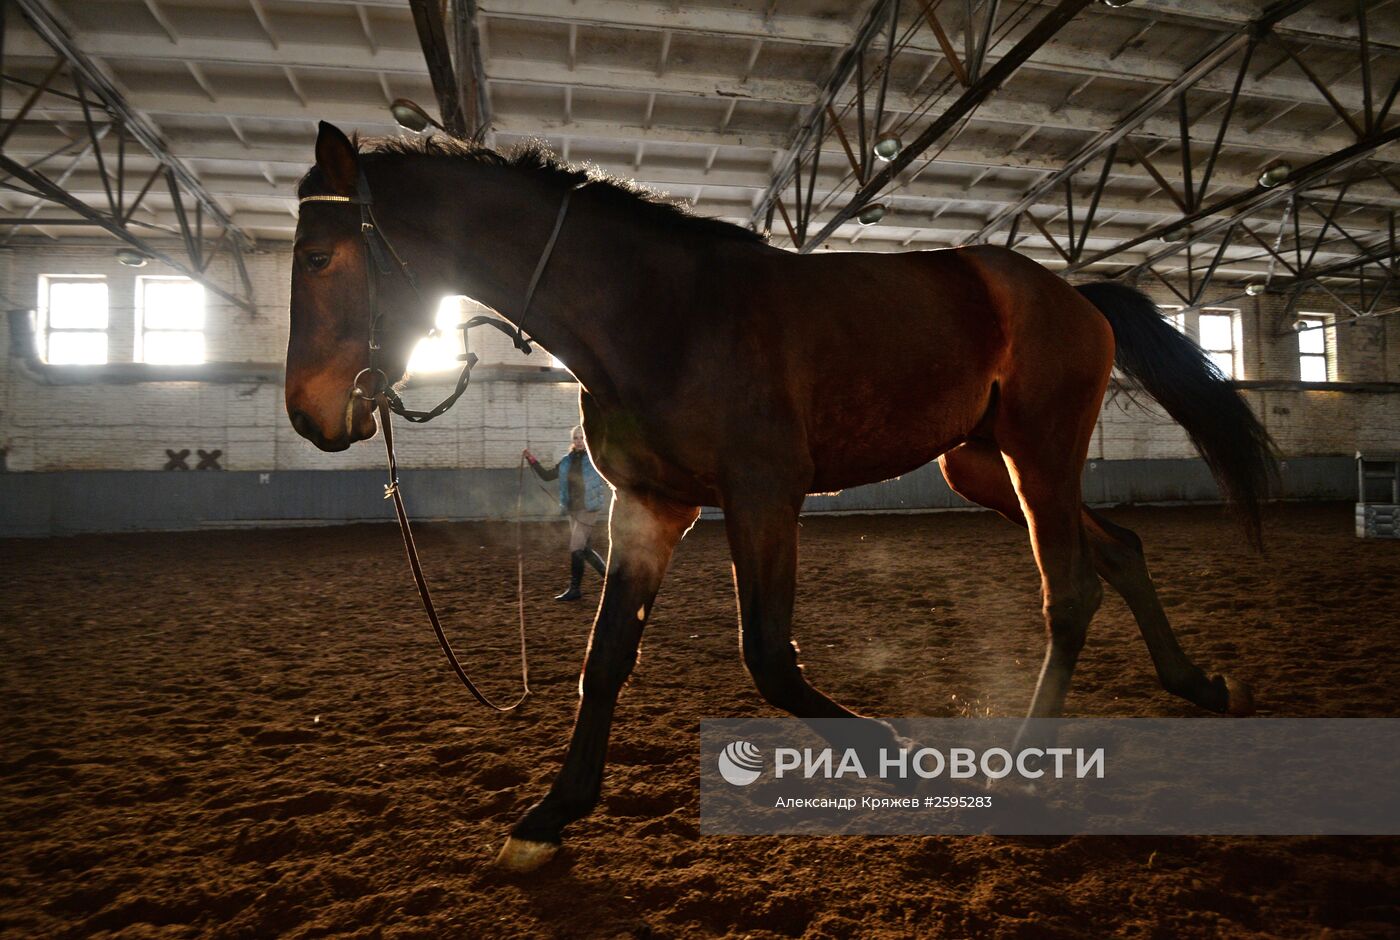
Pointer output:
x,y
1066,57
473,90
294,154
1210,219
739,190
432,36
522,80
55,194
293,52
238,104
42,19
1309,25
983,87
1142,114
782,27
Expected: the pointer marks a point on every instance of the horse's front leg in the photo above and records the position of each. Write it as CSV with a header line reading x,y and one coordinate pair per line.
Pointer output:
x,y
643,530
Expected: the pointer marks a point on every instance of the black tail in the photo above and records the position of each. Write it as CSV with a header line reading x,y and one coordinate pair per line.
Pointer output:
x,y
1181,377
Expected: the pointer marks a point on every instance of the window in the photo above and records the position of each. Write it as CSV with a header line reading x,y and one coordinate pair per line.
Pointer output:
x,y
1314,351
170,320
1219,340
438,351
72,322
1174,315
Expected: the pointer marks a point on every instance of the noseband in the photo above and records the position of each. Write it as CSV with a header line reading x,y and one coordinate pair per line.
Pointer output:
x,y
381,259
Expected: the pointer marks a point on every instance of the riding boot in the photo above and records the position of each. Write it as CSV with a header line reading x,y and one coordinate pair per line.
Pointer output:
x,y
591,556
575,578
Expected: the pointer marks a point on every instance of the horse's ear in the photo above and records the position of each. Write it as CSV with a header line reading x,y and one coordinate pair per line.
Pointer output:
x,y
337,159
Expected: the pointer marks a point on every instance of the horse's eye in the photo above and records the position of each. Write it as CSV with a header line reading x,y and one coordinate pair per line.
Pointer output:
x,y
317,260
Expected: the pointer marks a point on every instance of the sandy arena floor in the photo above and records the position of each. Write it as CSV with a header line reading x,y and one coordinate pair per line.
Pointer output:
x,y
249,734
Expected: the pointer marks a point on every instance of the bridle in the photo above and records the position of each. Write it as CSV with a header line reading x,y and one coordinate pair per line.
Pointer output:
x,y
381,259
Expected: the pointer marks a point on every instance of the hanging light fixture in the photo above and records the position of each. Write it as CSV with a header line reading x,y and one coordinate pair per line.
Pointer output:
x,y
1115,4
871,213
1176,234
1275,173
1254,288
887,146
411,117
131,257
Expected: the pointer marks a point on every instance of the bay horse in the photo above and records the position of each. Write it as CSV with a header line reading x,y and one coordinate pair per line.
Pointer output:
x,y
716,370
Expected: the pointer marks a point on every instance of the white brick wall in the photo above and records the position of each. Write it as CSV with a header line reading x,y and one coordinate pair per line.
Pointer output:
x,y
1303,423
128,427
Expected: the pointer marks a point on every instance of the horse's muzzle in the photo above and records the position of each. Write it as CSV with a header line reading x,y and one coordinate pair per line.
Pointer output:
x,y
306,427
351,422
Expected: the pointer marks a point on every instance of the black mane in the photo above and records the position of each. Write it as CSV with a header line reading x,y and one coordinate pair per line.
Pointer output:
x,y
535,157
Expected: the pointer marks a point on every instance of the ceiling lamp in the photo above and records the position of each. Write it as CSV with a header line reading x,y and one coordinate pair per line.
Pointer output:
x,y
1115,4
871,213
1176,234
131,257
1275,173
1254,288
887,146
410,116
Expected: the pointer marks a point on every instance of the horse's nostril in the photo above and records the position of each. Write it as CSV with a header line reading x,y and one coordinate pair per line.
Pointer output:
x,y
302,423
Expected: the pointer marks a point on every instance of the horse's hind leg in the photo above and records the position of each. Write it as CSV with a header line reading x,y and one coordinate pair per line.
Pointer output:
x,y
1050,499
977,472
1119,558
643,531
763,542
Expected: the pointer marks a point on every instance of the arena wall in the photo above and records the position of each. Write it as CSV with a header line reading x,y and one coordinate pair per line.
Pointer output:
x,y
82,448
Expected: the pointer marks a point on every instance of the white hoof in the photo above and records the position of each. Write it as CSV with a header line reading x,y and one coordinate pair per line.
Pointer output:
x,y
522,855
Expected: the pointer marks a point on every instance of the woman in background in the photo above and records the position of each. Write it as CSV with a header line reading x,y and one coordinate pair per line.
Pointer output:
x,y
584,496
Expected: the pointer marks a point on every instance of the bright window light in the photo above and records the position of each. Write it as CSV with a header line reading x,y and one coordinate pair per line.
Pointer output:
x,y
77,348
438,352
172,347
171,321
1216,332
1314,369
73,320
1313,351
1218,339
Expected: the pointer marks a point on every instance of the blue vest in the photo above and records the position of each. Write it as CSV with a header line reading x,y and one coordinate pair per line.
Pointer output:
x,y
595,489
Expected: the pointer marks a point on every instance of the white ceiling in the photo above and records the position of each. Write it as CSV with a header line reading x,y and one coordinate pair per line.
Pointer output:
x,y
700,100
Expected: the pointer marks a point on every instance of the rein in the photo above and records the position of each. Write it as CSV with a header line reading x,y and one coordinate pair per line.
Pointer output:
x,y
392,491
382,259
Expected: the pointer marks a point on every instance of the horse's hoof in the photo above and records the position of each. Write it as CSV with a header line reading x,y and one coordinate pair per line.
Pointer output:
x,y
1239,699
522,855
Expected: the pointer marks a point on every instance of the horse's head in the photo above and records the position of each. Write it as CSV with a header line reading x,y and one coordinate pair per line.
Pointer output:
x,y
329,344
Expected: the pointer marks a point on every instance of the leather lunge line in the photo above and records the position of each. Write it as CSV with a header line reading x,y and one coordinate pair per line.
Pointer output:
x,y
393,491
